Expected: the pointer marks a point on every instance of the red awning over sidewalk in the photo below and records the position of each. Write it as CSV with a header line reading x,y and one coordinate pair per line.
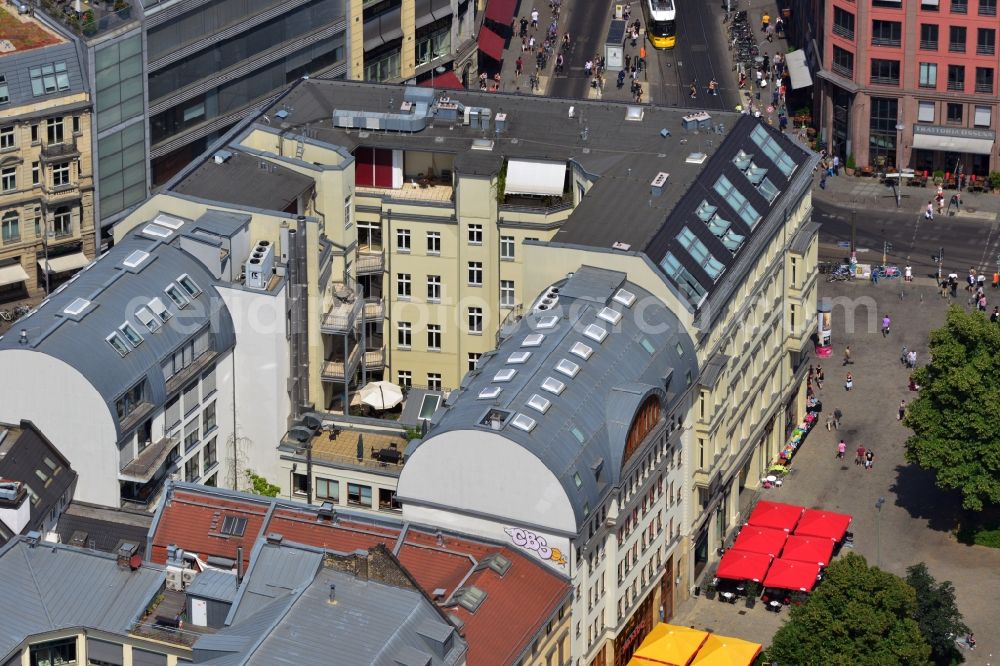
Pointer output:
x,y
792,575
491,44
808,549
500,11
760,540
818,523
447,81
775,515
742,565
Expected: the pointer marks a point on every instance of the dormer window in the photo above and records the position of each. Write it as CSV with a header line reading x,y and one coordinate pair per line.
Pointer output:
x,y
188,285
159,309
176,295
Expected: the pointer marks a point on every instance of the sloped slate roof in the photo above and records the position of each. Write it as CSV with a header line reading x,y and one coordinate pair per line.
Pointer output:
x,y
55,586
16,68
586,426
115,293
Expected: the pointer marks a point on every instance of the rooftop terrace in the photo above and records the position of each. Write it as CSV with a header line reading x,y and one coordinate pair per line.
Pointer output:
x,y
20,32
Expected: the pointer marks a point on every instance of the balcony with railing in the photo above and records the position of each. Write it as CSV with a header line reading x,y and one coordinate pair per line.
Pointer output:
x,y
374,309
842,70
60,152
150,460
928,45
959,7
984,87
956,85
345,309
956,47
374,360
369,263
843,31
985,49
337,369
987,8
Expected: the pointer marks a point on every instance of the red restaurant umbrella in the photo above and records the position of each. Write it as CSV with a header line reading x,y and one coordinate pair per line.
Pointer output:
x,y
792,575
808,549
818,523
741,565
760,540
776,515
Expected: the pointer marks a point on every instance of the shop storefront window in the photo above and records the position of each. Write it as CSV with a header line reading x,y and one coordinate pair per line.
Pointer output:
x,y
882,131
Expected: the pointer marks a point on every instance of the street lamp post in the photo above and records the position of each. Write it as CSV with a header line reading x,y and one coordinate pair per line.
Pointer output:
x,y
854,245
878,531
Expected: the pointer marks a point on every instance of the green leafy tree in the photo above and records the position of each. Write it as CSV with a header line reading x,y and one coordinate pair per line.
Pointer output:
x,y
261,486
954,419
858,615
937,614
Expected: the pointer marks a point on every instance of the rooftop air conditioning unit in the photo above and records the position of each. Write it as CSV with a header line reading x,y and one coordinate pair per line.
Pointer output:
x,y
260,266
175,579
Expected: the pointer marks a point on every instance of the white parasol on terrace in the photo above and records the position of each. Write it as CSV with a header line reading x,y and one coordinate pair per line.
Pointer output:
x,y
381,395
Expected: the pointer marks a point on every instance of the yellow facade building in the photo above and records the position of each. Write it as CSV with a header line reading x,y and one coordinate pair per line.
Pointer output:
x,y
46,176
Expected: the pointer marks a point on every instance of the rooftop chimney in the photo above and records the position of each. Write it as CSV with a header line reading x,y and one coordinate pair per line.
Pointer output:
x,y
333,594
439,538
24,337
239,564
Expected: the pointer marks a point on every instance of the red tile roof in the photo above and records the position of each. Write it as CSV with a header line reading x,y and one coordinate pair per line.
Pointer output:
x,y
516,607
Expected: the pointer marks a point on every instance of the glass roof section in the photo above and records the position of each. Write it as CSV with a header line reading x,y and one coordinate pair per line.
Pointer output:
x,y
705,211
742,160
755,174
725,189
774,152
685,281
768,190
732,240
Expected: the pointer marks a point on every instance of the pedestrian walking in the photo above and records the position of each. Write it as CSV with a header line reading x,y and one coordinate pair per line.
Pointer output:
x,y
995,317
822,180
869,459
908,274
693,89
841,449
929,211
524,27
847,355
849,382
902,410
903,355
970,280
829,422
588,67
819,376
836,164
769,31
638,92
886,323
982,302
981,281
911,359
874,276
534,19
518,66
860,458
765,20
837,415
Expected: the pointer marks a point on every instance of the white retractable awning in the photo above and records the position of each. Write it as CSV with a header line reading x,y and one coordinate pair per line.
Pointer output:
x,y
955,144
11,274
67,262
798,70
534,177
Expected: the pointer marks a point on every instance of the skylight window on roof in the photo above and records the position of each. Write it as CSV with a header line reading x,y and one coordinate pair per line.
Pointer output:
x,y
578,434
577,481
495,419
147,319
773,150
705,211
518,357
168,221
626,298
567,367
189,285
495,561
176,295
469,598
725,188
755,174
714,268
553,385
683,278
157,231
581,350
768,190
490,392
159,309
505,375
533,340
648,346
732,240
234,526
610,316
77,307
130,334
539,404
718,225
135,259
549,321
742,160
118,343
595,332
522,422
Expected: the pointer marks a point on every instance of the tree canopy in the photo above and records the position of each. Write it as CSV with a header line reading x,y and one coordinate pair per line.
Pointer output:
x,y
956,432
858,615
261,486
937,614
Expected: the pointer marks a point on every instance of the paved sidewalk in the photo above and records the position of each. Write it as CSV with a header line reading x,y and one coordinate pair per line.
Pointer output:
x,y
917,520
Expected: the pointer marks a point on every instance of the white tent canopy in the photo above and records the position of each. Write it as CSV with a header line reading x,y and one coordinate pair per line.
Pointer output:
x,y
535,177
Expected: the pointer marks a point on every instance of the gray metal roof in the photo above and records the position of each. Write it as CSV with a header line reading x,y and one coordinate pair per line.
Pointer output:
x,y
105,527
246,180
275,572
585,427
25,458
16,68
219,223
215,585
54,586
115,292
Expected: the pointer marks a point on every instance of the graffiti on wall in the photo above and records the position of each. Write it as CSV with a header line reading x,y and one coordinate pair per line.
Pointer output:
x,y
535,542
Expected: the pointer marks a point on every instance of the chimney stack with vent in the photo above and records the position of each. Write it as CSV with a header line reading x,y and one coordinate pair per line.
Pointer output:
x,y
239,564
333,594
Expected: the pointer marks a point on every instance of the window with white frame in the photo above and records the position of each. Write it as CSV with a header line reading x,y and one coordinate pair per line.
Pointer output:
x,y
359,495
507,248
60,174
54,130
403,285
8,138
404,378
433,242
434,337
10,225
506,293
434,288
402,240
475,320
36,173
348,213
475,273
327,489
404,334
475,234
62,221
8,179
925,112
473,360
434,381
